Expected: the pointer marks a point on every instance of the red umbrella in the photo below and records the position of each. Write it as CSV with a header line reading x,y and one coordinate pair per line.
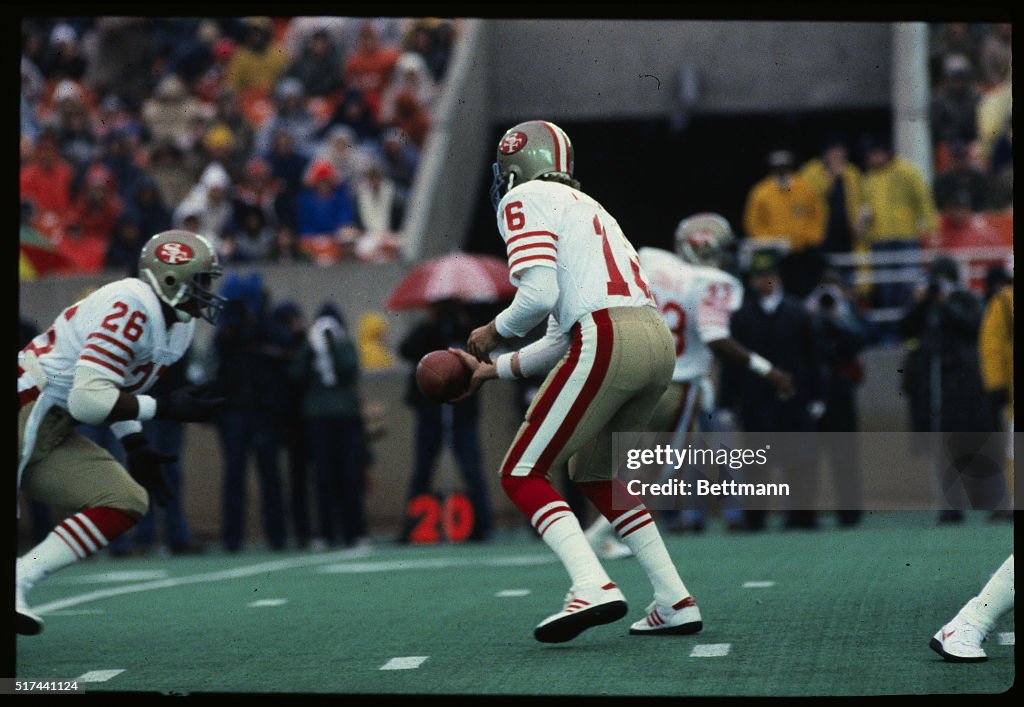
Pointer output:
x,y
465,277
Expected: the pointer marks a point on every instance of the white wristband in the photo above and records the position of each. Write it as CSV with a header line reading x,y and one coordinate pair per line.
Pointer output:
x,y
123,428
504,365
147,407
759,364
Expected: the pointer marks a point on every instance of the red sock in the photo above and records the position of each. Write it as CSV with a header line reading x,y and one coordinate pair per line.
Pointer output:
x,y
92,529
537,499
631,513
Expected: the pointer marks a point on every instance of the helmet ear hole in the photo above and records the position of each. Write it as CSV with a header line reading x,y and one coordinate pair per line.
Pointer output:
x,y
169,280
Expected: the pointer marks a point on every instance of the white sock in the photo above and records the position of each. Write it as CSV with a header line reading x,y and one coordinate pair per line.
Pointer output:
x,y
52,554
599,531
994,599
565,537
637,529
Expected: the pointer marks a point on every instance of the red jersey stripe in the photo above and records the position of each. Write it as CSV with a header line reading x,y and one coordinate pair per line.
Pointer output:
x,y
93,359
544,405
530,234
118,359
515,250
602,359
519,261
111,340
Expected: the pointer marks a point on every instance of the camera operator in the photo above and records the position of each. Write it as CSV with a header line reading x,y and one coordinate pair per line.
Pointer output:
x,y
843,332
941,373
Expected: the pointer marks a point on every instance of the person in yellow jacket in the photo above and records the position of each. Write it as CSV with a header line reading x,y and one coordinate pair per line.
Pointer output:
x,y
374,353
259,62
995,353
784,206
897,214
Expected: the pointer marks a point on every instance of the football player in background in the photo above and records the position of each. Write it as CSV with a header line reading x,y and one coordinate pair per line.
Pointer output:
x,y
696,297
609,357
959,641
93,366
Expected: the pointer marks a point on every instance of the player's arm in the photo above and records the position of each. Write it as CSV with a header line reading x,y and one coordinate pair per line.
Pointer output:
x,y
535,297
731,350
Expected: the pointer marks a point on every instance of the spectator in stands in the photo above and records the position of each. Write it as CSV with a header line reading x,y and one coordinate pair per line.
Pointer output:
x,y
250,239
316,66
259,62
63,58
842,333
837,180
166,169
125,245
400,158
962,176
74,132
117,156
31,90
431,39
379,213
410,75
778,326
325,205
446,324
954,104
351,111
249,421
897,213
46,179
286,246
784,207
147,205
340,149
289,167
94,213
212,81
301,29
326,370
292,117
941,373
260,190
1000,171
112,117
122,46
219,147
229,113
369,66
995,54
411,117
169,112
210,201
193,57
948,38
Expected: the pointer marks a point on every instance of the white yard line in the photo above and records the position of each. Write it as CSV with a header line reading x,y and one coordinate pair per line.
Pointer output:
x,y
710,650
98,675
268,602
512,593
409,662
1006,639
758,585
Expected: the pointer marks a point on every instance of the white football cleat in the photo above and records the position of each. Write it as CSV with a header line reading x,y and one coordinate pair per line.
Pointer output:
x,y
612,549
959,641
683,617
584,608
26,623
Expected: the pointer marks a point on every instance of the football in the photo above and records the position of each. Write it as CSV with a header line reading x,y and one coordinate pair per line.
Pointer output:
x,y
441,376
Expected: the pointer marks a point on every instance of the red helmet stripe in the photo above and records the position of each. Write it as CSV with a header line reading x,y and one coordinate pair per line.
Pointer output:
x,y
558,146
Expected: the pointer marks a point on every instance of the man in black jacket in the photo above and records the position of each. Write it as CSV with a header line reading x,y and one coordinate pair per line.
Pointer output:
x,y
779,327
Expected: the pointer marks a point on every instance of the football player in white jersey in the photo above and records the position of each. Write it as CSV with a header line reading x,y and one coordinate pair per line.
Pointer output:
x,y
960,640
94,365
696,298
609,357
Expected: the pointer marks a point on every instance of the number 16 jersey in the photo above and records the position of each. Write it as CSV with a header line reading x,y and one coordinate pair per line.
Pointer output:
x,y
552,225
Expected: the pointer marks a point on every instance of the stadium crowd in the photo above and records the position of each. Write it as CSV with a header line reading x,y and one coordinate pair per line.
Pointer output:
x,y
284,138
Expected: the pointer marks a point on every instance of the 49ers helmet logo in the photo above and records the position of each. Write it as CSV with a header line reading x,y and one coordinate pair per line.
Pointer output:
x,y
174,253
512,143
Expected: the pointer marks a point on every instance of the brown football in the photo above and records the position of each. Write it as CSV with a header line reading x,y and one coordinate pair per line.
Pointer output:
x,y
441,376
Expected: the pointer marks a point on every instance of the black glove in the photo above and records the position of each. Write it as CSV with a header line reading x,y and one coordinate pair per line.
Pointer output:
x,y
188,404
144,464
